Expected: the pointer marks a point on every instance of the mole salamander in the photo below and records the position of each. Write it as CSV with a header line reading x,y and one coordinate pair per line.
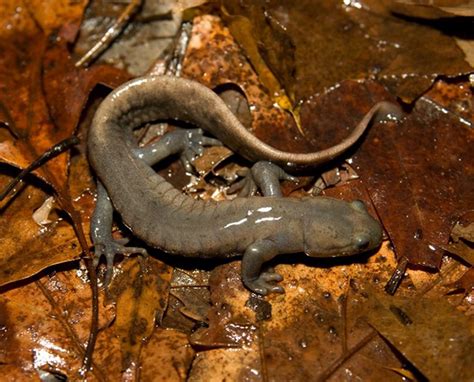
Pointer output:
x,y
259,228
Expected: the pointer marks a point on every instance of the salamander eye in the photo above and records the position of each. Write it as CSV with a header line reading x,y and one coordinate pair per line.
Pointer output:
x,y
362,242
358,205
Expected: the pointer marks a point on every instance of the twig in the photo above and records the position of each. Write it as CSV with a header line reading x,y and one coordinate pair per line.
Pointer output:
x,y
114,30
340,361
397,276
51,153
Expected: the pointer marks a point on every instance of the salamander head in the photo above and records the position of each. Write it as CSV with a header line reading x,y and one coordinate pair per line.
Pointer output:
x,y
337,228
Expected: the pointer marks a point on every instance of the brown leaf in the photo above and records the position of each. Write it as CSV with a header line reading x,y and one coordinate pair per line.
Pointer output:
x,y
214,58
329,118
353,190
16,373
51,15
465,282
47,324
230,340
211,158
41,89
455,96
188,304
44,98
351,44
435,8
24,44
464,228
296,334
462,236
141,292
228,301
67,88
27,248
167,356
430,333
263,40
412,170
462,250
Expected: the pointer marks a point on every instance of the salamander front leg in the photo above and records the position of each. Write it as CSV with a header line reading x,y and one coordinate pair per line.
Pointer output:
x,y
254,257
265,176
101,233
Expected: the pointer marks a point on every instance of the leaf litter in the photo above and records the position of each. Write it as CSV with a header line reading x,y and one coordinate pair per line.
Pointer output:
x,y
405,56
319,328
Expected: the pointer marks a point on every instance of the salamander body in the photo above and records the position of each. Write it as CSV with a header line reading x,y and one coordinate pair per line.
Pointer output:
x,y
258,228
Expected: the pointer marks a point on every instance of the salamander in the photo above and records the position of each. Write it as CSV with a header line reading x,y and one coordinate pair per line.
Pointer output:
x,y
258,228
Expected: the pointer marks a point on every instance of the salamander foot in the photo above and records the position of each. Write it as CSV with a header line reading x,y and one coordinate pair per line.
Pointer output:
x,y
193,145
265,283
109,249
263,175
255,256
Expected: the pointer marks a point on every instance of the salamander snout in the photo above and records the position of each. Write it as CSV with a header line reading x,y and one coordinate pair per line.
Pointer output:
x,y
369,232
339,228
369,235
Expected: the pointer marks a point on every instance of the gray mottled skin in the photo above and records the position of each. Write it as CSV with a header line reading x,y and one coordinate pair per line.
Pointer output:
x,y
257,227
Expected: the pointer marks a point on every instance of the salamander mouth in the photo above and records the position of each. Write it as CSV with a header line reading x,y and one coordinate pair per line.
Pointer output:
x,y
334,252
359,245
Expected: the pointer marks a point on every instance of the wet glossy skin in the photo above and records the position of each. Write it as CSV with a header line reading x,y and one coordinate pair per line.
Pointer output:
x,y
258,227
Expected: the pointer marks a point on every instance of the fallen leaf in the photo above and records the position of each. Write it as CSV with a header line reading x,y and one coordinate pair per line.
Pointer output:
x,y
354,43
24,41
274,42
350,191
167,356
462,238
434,9
45,97
214,58
47,324
465,282
430,333
188,304
230,340
426,160
45,100
141,292
211,158
25,247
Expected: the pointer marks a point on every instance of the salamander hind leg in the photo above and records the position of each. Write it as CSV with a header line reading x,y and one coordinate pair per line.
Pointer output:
x,y
101,233
188,143
260,282
193,146
265,176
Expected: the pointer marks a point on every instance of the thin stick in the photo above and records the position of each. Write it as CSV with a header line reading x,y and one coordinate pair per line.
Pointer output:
x,y
342,359
114,30
51,153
